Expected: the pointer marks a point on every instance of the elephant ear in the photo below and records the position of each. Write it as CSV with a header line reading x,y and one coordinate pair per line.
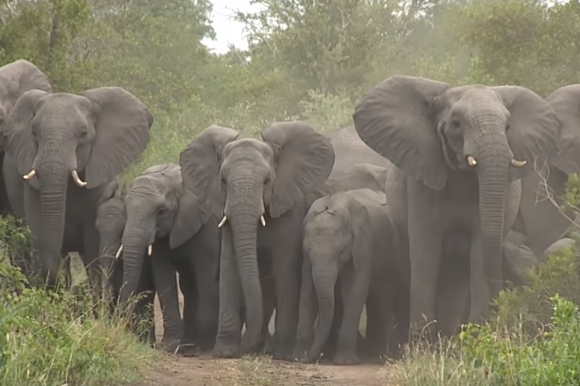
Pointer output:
x,y
362,248
18,132
122,133
534,129
566,103
366,176
305,159
111,190
193,213
397,120
200,165
15,79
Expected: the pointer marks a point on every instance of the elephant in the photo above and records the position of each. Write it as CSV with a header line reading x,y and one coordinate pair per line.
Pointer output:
x,y
248,182
110,223
15,79
179,234
350,240
540,218
459,153
55,138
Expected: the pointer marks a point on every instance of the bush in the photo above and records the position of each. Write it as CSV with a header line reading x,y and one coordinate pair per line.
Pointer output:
x,y
53,337
533,339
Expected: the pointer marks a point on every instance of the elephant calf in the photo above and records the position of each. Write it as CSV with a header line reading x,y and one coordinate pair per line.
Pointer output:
x,y
350,238
168,229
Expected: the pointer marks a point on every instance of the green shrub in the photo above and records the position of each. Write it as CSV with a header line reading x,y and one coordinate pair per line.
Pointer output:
x,y
54,338
533,338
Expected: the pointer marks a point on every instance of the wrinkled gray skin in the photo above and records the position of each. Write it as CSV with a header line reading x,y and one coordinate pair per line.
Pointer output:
x,y
430,130
15,79
244,179
96,134
558,245
350,241
185,239
111,218
539,218
518,258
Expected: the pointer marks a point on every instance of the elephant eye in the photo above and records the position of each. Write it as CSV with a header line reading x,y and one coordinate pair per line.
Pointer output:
x,y
83,134
161,211
507,127
267,180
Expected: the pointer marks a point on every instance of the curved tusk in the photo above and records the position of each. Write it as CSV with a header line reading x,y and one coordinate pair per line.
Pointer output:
x,y
223,221
119,251
77,179
519,164
30,175
471,160
263,220
150,250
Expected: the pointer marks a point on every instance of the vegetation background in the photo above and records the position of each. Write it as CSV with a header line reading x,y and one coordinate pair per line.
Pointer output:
x,y
308,60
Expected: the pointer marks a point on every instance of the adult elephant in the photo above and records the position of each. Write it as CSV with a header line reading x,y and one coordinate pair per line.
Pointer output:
x,y
462,151
15,79
542,221
57,138
249,181
179,232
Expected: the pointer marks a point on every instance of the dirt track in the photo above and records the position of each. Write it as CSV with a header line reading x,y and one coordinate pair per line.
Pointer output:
x,y
206,371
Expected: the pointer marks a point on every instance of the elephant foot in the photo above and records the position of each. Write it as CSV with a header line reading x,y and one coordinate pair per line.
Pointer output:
x,y
188,350
300,353
226,350
170,345
284,354
346,358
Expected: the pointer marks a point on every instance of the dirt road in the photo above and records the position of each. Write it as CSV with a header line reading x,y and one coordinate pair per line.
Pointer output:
x,y
206,371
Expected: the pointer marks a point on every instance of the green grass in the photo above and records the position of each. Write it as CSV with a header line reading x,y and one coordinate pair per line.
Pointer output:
x,y
55,338
533,339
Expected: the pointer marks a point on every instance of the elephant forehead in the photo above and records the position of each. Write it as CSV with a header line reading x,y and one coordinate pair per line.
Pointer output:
x,y
63,102
247,148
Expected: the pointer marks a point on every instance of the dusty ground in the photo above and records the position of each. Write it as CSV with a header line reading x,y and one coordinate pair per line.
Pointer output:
x,y
206,371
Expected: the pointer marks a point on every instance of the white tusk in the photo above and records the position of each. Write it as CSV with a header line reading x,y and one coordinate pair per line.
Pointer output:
x,y
221,224
150,250
30,175
77,179
519,164
471,160
119,251
263,220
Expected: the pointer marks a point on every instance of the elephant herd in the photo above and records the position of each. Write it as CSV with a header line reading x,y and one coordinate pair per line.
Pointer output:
x,y
420,212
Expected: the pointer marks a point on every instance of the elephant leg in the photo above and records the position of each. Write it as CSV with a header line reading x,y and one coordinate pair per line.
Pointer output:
x,y
187,286
354,289
379,321
453,291
206,291
166,286
425,247
227,343
269,305
480,294
95,271
307,312
287,264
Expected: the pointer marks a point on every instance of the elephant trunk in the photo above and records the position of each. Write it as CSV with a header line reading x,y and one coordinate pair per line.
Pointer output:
x,y
324,281
244,211
135,243
53,174
494,156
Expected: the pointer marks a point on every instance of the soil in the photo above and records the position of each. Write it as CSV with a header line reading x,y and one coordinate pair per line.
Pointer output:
x,y
206,371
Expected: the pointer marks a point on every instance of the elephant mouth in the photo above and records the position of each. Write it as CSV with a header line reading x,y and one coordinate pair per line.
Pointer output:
x,y
453,153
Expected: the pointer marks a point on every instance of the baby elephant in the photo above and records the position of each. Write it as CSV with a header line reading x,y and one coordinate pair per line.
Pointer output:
x,y
350,239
